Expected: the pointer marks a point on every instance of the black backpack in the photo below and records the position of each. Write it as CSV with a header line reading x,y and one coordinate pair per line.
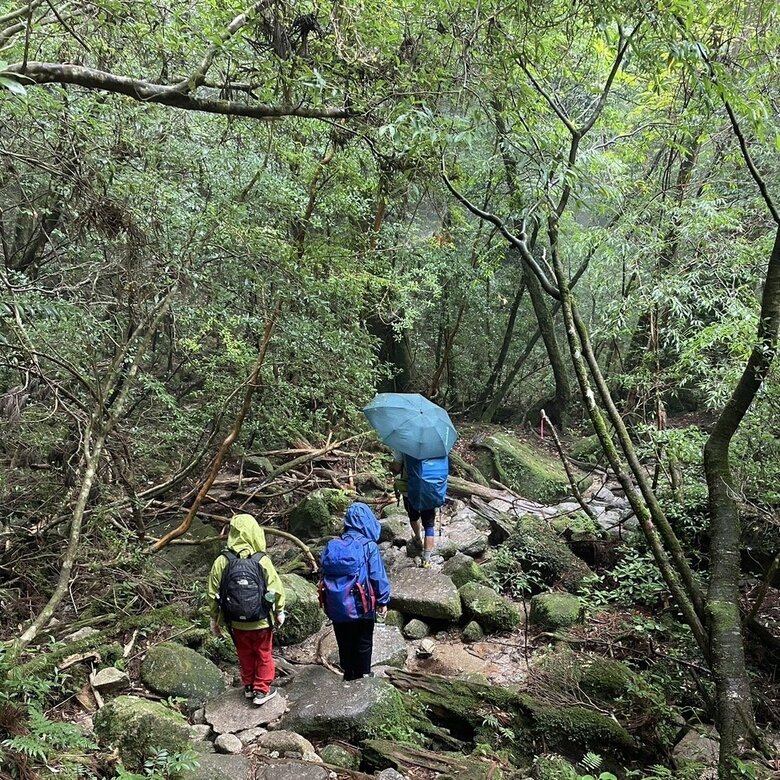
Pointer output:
x,y
242,589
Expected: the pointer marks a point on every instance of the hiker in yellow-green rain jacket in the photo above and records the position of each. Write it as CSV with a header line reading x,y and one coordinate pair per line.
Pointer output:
x,y
247,597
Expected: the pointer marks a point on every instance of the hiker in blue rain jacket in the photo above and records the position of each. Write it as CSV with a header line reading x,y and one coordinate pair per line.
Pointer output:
x,y
354,589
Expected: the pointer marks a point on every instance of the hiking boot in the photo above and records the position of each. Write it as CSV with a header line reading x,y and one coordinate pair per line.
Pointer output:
x,y
248,692
425,564
262,698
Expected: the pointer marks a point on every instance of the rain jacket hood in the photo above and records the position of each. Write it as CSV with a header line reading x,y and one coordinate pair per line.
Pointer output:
x,y
246,536
359,519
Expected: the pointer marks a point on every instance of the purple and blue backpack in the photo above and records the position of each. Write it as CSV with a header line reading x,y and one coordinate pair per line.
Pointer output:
x,y
345,590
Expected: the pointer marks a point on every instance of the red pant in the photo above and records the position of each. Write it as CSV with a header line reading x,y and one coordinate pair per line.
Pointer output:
x,y
255,657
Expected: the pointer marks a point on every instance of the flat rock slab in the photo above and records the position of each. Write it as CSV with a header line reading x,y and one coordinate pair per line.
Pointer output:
x,y
291,770
425,593
212,766
466,537
390,649
232,712
324,707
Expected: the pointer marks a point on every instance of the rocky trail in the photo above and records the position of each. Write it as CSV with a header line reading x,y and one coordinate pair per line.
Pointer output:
x,y
446,623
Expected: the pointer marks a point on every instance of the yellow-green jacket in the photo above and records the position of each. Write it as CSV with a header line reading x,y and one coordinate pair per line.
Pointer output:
x,y
246,538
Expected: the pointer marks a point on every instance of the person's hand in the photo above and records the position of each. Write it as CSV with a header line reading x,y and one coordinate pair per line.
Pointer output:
x,y
280,618
381,611
216,629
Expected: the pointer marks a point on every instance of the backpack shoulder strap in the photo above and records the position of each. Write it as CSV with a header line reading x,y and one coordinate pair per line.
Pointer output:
x,y
229,554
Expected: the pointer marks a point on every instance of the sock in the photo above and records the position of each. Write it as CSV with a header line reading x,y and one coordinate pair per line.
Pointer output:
x,y
427,555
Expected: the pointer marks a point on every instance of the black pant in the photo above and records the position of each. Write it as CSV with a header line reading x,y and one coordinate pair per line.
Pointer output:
x,y
356,643
428,516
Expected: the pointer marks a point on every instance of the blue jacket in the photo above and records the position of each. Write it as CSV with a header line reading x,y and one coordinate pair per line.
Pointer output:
x,y
361,523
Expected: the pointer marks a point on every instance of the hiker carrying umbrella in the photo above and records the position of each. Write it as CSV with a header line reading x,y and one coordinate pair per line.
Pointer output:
x,y
421,435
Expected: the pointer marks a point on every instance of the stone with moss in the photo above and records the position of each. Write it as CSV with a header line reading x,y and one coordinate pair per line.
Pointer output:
x,y
473,632
336,755
564,727
395,529
605,678
577,526
219,649
491,610
216,766
173,670
194,560
540,550
302,606
462,569
320,513
416,629
394,618
530,471
139,728
322,706
587,449
553,611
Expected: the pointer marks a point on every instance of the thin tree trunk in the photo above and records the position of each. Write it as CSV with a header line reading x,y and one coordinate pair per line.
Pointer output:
x,y
736,722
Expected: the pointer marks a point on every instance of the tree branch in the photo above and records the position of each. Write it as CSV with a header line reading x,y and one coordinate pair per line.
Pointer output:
x,y
518,242
199,76
146,92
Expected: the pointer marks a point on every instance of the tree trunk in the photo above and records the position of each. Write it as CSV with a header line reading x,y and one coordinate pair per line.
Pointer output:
x,y
735,710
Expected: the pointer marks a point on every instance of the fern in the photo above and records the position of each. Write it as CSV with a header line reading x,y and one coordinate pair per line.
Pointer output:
x,y
592,761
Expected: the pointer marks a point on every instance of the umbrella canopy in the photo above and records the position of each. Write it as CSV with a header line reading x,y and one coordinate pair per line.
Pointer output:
x,y
412,424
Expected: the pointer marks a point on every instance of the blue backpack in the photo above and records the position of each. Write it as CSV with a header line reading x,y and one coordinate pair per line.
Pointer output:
x,y
345,591
427,482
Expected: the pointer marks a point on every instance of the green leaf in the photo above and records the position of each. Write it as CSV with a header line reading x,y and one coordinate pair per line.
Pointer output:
x,y
12,85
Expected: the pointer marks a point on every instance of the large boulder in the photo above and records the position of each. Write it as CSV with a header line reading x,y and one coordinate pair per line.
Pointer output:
x,y
536,544
529,471
304,616
424,593
395,529
324,707
552,611
465,537
138,728
320,513
462,569
230,713
390,649
491,610
171,669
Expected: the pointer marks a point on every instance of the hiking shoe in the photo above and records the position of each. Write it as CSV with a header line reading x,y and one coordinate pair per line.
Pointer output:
x,y
248,692
425,564
262,698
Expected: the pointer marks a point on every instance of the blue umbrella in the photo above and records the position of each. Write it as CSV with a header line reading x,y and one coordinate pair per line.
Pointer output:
x,y
412,424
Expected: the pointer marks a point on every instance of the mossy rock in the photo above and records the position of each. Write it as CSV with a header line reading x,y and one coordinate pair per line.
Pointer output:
x,y
139,728
587,449
219,650
473,632
462,569
529,471
577,526
171,669
416,629
323,707
552,611
194,560
302,605
320,514
537,546
394,618
491,610
563,728
336,755
605,678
